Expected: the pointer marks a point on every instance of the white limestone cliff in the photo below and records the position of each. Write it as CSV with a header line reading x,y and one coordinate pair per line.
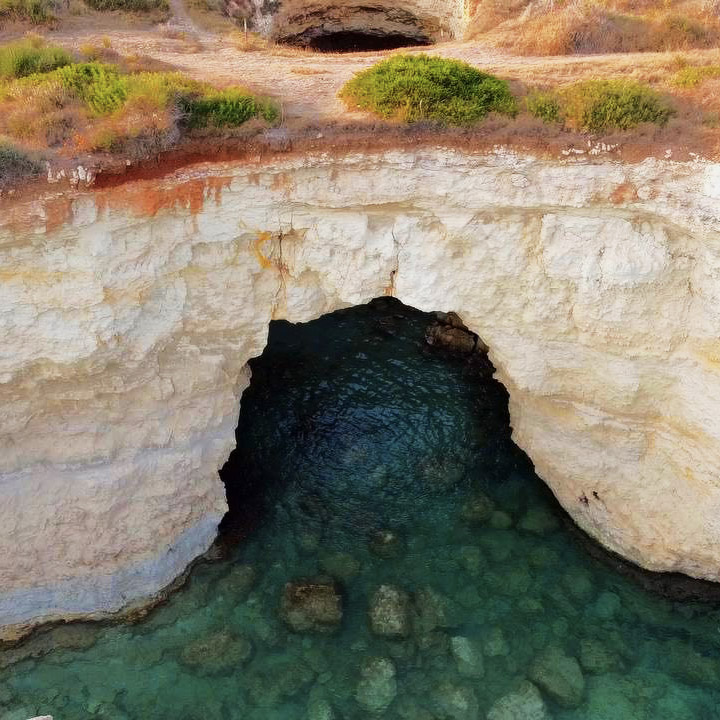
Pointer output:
x,y
127,317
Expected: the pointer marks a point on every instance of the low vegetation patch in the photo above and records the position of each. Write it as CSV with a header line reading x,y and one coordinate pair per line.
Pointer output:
x,y
601,105
89,106
129,5
27,57
690,77
412,88
35,11
562,27
15,164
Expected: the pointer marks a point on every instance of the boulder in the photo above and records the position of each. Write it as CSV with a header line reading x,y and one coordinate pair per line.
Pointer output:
x,y
309,606
387,544
468,657
390,612
596,657
478,509
496,644
559,675
454,702
525,703
449,332
432,611
539,520
218,653
239,581
339,565
377,687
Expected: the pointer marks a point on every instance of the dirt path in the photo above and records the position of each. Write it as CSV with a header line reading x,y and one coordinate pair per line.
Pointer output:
x,y
306,83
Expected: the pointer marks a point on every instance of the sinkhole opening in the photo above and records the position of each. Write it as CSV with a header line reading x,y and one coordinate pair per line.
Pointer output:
x,y
350,41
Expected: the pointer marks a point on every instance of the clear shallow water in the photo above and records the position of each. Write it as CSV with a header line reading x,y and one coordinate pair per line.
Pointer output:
x,y
353,426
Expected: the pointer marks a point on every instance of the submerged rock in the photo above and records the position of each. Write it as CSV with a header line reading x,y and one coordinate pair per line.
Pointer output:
x,y
525,703
432,611
468,657
559,675
500,520
390,612
455,702
312,606
278,681
387,544
377,687
220,652
596,657
320,709
496,644
539,520
239,581
478,509
340,565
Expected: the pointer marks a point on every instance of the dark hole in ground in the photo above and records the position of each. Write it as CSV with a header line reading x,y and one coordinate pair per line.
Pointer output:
x,y
350,41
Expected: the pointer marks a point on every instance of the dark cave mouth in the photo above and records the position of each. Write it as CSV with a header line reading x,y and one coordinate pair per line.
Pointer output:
x,y
351,41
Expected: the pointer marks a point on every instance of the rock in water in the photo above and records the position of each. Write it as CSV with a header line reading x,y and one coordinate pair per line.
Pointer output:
x,y
451,333
390,612
432,611
455,702
478,509
312,606
468,657
559,675
218,653
525,703
339,565
377,687
387,544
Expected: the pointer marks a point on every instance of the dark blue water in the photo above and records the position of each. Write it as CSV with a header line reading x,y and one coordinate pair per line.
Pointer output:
x,y
367,459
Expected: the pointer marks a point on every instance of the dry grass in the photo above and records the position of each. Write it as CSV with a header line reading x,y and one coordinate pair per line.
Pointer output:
x,y
308,71
209,15
550,27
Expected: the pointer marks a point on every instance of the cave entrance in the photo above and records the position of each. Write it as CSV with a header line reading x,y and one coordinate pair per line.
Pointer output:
x,y
356,28
365,419
349,41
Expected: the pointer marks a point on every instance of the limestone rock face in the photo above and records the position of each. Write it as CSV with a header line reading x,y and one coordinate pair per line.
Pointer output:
x,y
294,20
127,316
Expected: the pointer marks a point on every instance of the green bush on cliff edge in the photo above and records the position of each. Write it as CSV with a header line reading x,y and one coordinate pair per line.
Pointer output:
x,y
413,88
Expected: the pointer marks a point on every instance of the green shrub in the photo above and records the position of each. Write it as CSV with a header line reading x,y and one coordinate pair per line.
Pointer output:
x,y
23,58
544,105
690,77
15,164
101,88
413,88
129,5
602,105
227,108
36,11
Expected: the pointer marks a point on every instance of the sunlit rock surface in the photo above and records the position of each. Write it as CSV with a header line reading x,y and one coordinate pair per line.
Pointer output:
x,y
127,317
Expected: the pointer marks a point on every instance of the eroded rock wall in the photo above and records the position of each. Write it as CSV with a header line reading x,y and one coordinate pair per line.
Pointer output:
x,y
127,317
294,20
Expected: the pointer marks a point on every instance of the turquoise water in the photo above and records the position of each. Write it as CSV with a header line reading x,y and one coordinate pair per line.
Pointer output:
x,y
367,458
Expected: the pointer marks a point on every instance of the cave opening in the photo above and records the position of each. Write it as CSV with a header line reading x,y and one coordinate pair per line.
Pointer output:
x,y
350,41
319,434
